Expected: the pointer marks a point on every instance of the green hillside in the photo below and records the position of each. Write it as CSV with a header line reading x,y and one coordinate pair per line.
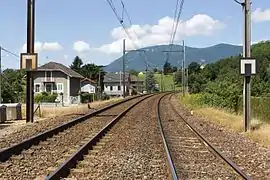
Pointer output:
x,y
220,84
168,84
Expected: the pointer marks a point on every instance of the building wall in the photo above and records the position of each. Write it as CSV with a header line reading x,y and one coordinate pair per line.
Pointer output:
x,y
139,86
114,91
58,78
75,86
86,87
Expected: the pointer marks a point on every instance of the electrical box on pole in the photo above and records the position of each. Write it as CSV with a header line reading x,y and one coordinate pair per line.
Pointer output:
x,y
29,61
248,67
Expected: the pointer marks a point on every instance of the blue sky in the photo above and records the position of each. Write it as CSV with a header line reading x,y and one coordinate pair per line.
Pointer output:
x,y
60,24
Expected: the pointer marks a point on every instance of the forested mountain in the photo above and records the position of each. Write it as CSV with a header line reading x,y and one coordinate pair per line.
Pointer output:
x,y
156,57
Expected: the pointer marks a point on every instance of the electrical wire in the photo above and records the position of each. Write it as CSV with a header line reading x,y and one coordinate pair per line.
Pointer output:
x,y
178,18
9,52
174,17
124,27
175,25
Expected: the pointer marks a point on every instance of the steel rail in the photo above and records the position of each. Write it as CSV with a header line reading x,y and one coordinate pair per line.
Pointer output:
x,y
212,147
6,153
64,169
168,154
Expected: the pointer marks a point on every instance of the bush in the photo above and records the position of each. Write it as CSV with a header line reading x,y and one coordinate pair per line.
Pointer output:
x,y
259,108
105,97
87,97
45,97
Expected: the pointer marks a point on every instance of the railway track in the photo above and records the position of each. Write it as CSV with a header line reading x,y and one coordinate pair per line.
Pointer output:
x,y
189,154
128,147
41,154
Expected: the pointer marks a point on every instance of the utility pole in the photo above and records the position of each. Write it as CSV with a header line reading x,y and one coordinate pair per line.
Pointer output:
x,y
183,65
0,75
187,80
246,54
120,81
146,74
173,81
248,68
124,67
30,49
162,84
99,85
183,69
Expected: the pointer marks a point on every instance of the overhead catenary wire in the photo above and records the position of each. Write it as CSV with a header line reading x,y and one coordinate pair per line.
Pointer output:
x,y
177,15
177,20
125,28
174,17
9,52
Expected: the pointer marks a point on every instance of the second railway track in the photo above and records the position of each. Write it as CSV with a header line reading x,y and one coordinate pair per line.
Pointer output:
x,y
190,155
40,157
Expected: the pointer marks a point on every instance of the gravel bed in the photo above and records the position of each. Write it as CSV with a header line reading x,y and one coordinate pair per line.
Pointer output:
x,y
250,156
38,159
192,158
134,149
37,127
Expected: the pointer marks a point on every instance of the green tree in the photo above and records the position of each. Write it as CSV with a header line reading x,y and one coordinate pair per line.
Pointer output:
x,y
196,83
167,68
194,68
178,77
77,64
13,85
133,72
90,71
174,69
150,81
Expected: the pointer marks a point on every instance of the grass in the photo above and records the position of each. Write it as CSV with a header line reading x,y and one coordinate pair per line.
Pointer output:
x,y
50,111
260,132
167,81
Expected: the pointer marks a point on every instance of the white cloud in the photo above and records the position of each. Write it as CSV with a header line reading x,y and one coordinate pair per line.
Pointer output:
x,y
47,46
160,33
65,56
260,15
81,46
52,46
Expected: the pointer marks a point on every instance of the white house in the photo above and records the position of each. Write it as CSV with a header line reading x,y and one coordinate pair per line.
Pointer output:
x,y
113,83
54,77
88,86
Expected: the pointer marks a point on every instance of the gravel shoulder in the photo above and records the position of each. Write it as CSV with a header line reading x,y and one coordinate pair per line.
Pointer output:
x,y
132,150
253,158
16,131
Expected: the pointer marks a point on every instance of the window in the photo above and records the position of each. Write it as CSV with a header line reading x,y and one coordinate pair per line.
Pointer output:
x,y
119,88
37,88
48,87
49,74
60,87
111,88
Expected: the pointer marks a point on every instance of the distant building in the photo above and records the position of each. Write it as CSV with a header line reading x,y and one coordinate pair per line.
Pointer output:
x,y
56,78
113,84
88,86
136,84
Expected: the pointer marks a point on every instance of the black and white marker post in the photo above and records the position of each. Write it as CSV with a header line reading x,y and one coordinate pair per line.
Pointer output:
x,y
247,68
247,64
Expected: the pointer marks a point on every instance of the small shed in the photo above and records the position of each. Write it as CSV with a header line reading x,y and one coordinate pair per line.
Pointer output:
x,y
3,113
13,111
